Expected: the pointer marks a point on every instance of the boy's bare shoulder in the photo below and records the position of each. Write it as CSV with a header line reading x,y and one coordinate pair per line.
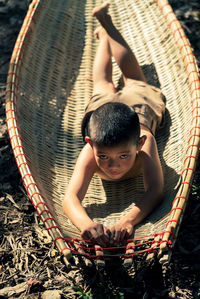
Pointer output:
x,y
86,157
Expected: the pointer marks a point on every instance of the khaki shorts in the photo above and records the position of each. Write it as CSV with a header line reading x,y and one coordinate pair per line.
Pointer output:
x,y
146,100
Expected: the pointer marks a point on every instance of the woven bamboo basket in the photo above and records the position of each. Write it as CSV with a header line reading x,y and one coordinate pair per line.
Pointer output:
x,y
48,87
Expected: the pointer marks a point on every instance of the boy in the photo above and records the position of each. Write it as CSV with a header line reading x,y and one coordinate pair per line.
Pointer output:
x,y
118,144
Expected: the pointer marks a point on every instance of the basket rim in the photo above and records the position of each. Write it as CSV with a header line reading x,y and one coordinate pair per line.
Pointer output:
x,y
192,152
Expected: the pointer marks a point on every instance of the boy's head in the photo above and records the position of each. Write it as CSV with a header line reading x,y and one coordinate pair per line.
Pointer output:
x,y
112,124
114,133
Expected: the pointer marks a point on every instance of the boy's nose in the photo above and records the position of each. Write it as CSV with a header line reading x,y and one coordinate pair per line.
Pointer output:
x,y
113,163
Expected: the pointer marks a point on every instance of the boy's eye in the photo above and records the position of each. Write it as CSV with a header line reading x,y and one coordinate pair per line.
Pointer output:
x,y
123,156
103,157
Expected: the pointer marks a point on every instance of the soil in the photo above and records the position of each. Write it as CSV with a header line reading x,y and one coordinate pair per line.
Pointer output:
x,y
30,265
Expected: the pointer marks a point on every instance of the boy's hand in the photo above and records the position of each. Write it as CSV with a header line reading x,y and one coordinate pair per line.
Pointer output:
x,y
120,231
98,233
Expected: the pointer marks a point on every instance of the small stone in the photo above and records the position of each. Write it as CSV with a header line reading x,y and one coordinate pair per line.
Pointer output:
x,y
52,294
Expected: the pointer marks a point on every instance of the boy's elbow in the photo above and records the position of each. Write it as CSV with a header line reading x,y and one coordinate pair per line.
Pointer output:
x,y
70,200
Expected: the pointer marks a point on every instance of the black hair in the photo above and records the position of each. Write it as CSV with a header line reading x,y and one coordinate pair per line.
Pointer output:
x,y
113,123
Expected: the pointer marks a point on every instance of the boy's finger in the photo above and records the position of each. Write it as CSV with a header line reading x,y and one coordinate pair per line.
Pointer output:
x,y
84,235
124,235
105,239
111,239
107,234
100,237
104,234
101,242
117,236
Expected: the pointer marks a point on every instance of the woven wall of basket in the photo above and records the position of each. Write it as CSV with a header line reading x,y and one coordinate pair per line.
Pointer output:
x,y
49,84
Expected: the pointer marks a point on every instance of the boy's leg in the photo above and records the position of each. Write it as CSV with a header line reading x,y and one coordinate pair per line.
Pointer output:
x,y
102,67
119,48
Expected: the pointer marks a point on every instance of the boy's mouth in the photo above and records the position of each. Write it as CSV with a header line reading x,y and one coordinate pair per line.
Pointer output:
x,y
114,173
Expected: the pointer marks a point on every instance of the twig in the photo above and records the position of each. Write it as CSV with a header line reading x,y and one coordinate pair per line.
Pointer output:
x,y
9,197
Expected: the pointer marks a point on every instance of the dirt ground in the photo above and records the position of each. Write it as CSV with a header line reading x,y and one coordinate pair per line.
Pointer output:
x,y
30,264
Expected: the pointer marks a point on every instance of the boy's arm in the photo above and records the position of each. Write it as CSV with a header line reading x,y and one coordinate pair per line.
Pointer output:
x,y
153,184
83,172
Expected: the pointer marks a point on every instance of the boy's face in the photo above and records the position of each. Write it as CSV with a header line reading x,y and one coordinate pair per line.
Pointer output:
x,y
115,161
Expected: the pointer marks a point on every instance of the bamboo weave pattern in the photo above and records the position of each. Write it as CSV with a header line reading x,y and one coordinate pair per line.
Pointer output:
x,y
49,84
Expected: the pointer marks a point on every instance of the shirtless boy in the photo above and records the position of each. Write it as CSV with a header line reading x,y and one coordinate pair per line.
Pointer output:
x,y
118,144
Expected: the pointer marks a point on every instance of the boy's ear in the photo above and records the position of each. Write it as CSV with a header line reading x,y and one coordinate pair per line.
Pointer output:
x,y
88,140
141,142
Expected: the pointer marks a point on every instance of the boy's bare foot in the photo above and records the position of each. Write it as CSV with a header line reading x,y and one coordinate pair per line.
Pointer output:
x,y
99,32
100,11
